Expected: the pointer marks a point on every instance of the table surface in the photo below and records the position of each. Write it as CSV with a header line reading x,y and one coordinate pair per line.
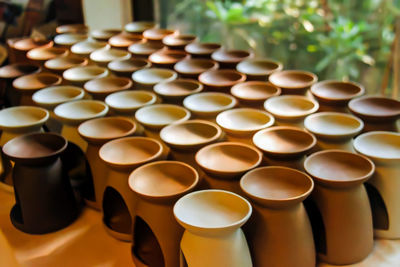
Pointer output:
x,y
85,243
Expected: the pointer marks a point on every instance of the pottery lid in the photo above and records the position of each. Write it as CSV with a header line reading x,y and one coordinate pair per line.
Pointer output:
x,y
195,66
178,40
379,146
128,65
139,26
255,91
52,96
153,76
336,92
228,159
191,134
69,39
276,186
65,62
72,28
290,107
16,70
209,103
202,48
167,57
85,73
88,46
130,101
221,78
105,55
163,179
104,34
212,211
375,108
101,130
81,110
26,44
339,168
293,79
145,48
230,56
156,34
124,39
284,141
160,115
259,66
107,85
21,117
130,152
178,88
244,121
36,81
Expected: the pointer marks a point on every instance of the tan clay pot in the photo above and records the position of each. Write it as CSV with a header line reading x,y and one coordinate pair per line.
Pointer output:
x,y
178,41
157,116
254,93
293,82
69,39
124,40
127,102
145,48
85,48
80,75
72,28
192,68
42,54
60,64
228,59
157,191
341,205
258,69
20,46
279,225
102,87
202,50
104,35
147,78
177,90
139,27
166,58
104,56
221,80
156,35
128,66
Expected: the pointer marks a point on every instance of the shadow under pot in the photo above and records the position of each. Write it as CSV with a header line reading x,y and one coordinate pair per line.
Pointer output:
x,y
279,224
202,50
78,76
83,49
157,235
100,88
259,69
335,95
126,103
45,202
334,130
146,79
224,163
254,93
97,132
383,148
293,82
175,91
339,208
212,221
126,67
378,113
71,114
19,47
284,146
122,156
228,59
221,80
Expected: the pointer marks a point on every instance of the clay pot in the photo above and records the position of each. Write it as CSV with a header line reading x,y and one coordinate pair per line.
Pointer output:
x,y
127,102
102,87
128,66
341,214
139,27
378,113
104,56
284,145
293,82
71,114
212,221
80,75
98,132
19,47
156,34
45,200
178,41
175,91
145,49
124,40
29,84
60,64
291,109
224,163
334,130
258,69
279,225
209,105
147,78
69,39
167,58
202,50
192,68
221,80
72,28
85,48
40,55
241,124
384,150
228,59
158,191
104,34
17,121
122,156
254,93
335,95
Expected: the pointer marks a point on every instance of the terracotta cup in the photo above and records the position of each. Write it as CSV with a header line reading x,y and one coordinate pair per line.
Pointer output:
x,y
335,95
383,148
146,79
97,132
254,93
122,156
209,104
212,221
124,40
290,110
258,69
178,41
225,162
175,91
104,34
167,58
103,56
284,145
279,224
193,67
228,59
80,75
334,130
378,113
60,64
71,114
19,47
40,55
340,212
85,48
72,28
100,88
69,39
221,80
156,35
157,234
44,197
126,103
139,27
202,50
144,49
293,82
128,66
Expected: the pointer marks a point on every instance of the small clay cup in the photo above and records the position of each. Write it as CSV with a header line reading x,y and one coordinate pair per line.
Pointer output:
x,y
124,40
71,28
167,58
60,64
178,41
159,115
175,91
221,80
145,49
202,50
80,75
127,66
69,39
127,102
40,55
156,34
293,82
228,59
258,69
19,47
104,56
139,27
192,68
85,48
254,93
148,78
104,34
100,88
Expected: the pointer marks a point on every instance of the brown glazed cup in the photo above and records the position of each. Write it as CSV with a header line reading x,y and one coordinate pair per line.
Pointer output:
x,y
102,87
295,82
254,93
104,35
221,80
177,90
124,40
178,41
128,66
139,27
258,69
166,58
202,50
145,49
192,68
228,59
72,28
